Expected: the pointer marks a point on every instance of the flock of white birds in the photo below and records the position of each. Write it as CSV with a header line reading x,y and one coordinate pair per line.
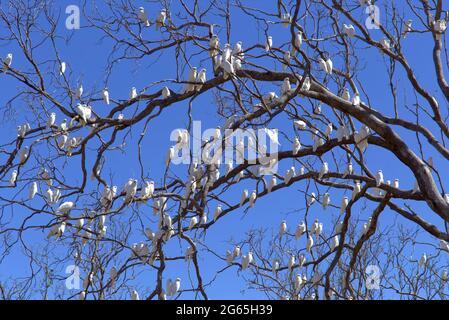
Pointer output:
x,y
228,61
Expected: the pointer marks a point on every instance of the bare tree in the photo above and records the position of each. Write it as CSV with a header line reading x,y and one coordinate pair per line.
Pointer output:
x,y
348,91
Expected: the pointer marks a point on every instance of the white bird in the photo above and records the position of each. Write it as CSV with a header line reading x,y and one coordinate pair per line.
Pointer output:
x,y
444,245
23,129
133,93
252,198
286,60
275,266
345,95
356,190
33,190
356,99
324,170
62,68
349,30
8,60
236,251
309,243
143,17
396,183
214,45
385,43
130,189
65,207
329,65
286,86
217,213
291,263
82,295
13,178
160,20
170,155
247,260
148,189
344,204
272,183
193,222
84,111
300,230
228,69
282,228
306,84
329,130
440,26
192,78
79,91
105,95
229,257
51,120
63,125
296,146
326,200
286,19
302,260
24,153
289,175
323,65
339,227
335,243
269,43
243,197
135,295
201,79
166,92
300,125
444,275
318,143
269,97
349,170
407,28
273,135
423,260
379,178
298,282
298,40
311,199
57,230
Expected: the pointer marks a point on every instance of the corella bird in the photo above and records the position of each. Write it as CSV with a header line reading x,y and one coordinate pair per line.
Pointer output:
x,y
85,112
349,30
160,20
143,18
201,79
66,207
356,100
423,260
193,222
135,295
335,243
326,200
252,198
345,95
300,125
247,260
272,183
296,146
309,243
344,204
105,95
269,43
57,230
286,86
440,26
214,46
385,44
218,211
51,120
444,246
289,175
311,198
275,266
300,230
291,263
379,178
349,170
286,19
62,68
326,65
79,92
148,189
286,60
356,190
23,129
133,93
166,92
407,28
324,170
243,197
7,61
33,190
282,228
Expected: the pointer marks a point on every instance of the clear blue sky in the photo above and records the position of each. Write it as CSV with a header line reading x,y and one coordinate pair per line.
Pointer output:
x,y
85,55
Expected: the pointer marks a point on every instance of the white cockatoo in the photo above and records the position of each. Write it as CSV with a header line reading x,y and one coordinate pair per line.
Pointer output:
x,y
300,125
84,111
286,86
301,260
247,260
135,295
23,129
298,282
309,243
160,20
339,227
379,178
65,207
143,18
130,189
356,99
218,211
356,190
444,246
228,69
286,60
344,204
214,45
407,28
289,175
440,26
396,183
86,236
236,252
345,95
324,170
311,198
23,155
51,120
105,95
200,79
329,130
243,197
275,266
273,135
300,230
32,190
385,43
133,93
166,92
335,242
423,260
79,92
229,257
317,143
326,200
57,230
349,30
7,61
298,41
269,43
148,189
193,222
252,198
296,146
282,228
323,65
192,78
272,183
82,295
62,68
286,19
349,170
291,263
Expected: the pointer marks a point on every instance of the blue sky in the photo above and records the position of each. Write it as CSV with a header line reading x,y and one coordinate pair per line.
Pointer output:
x,y
85,55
